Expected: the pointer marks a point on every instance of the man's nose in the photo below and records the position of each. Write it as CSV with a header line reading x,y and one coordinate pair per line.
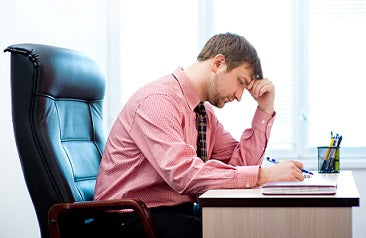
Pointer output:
x,y
238,94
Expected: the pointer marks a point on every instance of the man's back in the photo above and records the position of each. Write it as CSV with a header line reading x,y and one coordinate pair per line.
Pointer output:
x,y
136,136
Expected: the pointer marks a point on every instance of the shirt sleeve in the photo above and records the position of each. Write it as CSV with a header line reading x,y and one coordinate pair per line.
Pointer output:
x,y
249,150
251,147
157,131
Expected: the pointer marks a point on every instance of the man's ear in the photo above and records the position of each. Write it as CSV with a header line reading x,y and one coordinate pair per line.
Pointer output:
x,y
218,62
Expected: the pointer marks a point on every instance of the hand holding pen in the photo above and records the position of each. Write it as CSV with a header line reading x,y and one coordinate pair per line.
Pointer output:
x,y
288,170
274,161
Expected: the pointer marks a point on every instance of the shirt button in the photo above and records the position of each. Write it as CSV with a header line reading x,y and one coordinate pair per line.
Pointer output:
x,y
270,124
247,185
263,121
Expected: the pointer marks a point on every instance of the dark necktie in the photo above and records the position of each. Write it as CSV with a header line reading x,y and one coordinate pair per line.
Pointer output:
x,y
201,128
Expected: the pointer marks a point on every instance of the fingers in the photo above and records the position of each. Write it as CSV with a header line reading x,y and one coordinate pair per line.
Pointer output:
x,y
296,167
290,170
263,91
298,176
258,87
298,164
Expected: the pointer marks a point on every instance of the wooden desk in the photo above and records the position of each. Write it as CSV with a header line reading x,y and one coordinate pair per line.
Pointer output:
x,y
249,213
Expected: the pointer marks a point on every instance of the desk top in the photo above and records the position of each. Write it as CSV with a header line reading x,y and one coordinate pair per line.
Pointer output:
x,y
347,196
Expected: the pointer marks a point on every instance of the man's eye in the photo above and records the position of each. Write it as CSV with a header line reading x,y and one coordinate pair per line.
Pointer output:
x,y
240,82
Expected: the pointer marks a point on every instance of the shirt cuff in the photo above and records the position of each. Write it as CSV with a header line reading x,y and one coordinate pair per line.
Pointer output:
x,y
247,176
263,121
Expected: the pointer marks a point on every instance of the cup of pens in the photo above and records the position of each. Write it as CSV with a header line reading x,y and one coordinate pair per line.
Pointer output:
x,y
328,159
328,156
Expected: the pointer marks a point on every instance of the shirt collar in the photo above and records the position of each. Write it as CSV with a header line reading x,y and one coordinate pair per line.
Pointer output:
x,y
187,87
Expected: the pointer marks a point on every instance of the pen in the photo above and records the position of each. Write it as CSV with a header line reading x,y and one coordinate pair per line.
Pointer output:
x,y
274,161
332,154
336,160
325,162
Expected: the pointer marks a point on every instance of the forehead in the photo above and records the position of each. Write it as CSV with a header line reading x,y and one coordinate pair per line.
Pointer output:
x,y
244,70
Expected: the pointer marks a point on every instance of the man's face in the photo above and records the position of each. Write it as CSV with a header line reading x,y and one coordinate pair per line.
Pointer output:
x,y
225,86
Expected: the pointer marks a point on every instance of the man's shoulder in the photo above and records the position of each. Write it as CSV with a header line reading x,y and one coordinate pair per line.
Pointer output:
x,y
163,87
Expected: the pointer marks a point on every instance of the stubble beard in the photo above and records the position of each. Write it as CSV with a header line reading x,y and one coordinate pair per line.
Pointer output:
x,y
214,96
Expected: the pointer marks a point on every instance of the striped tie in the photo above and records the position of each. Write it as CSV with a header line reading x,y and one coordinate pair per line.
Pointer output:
x,y
201,128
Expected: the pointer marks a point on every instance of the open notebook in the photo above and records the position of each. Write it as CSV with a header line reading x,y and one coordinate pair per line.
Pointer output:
x,y
316,184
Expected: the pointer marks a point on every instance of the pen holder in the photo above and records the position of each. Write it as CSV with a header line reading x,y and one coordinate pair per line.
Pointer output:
x,y
328,159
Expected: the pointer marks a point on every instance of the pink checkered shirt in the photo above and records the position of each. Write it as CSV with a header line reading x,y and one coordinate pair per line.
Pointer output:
x,y
150,153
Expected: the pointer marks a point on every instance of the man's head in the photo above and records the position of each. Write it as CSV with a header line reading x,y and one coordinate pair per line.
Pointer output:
x,y
233,66
236,50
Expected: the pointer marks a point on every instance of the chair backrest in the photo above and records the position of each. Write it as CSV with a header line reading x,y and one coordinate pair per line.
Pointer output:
x,y
57,97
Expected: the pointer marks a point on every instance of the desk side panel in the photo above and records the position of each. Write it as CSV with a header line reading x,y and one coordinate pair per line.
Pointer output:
x,y
277,222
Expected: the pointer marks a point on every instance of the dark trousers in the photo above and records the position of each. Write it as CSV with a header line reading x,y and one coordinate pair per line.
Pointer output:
x,y
183,220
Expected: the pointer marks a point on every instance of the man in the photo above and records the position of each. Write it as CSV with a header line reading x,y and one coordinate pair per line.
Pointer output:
x,y
152,151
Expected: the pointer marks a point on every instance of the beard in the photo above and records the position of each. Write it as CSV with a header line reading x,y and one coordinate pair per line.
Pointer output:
x,y
219,102
214,96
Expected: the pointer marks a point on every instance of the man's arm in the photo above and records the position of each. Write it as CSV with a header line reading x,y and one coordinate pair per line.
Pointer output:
x,y
263,91
251,147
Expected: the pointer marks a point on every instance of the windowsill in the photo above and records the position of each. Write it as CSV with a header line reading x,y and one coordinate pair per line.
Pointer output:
x,y
349,164
350,159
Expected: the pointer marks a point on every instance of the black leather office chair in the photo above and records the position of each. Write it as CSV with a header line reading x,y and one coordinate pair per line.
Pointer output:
x,y
57,98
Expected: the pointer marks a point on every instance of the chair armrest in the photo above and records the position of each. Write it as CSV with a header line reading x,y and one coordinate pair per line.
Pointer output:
x,y
89,207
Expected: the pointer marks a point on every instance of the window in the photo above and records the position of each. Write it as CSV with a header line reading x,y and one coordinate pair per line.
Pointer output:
x,y
337,75
157,37
313,51
271,33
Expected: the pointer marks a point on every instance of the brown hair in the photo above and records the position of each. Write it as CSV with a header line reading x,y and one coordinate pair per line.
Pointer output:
x,y
236,50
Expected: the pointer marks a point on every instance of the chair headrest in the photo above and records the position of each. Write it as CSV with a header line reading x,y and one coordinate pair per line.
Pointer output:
x,y
63,73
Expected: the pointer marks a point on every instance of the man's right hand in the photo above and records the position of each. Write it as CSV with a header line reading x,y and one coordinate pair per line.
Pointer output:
x,y
288,170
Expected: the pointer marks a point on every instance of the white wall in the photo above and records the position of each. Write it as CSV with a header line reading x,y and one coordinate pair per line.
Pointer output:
x,y
74,24
81,25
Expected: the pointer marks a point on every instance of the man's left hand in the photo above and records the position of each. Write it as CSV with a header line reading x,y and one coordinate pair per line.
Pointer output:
x,y
263,91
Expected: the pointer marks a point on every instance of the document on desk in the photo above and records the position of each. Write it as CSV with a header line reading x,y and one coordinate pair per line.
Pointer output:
x,y
315,185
